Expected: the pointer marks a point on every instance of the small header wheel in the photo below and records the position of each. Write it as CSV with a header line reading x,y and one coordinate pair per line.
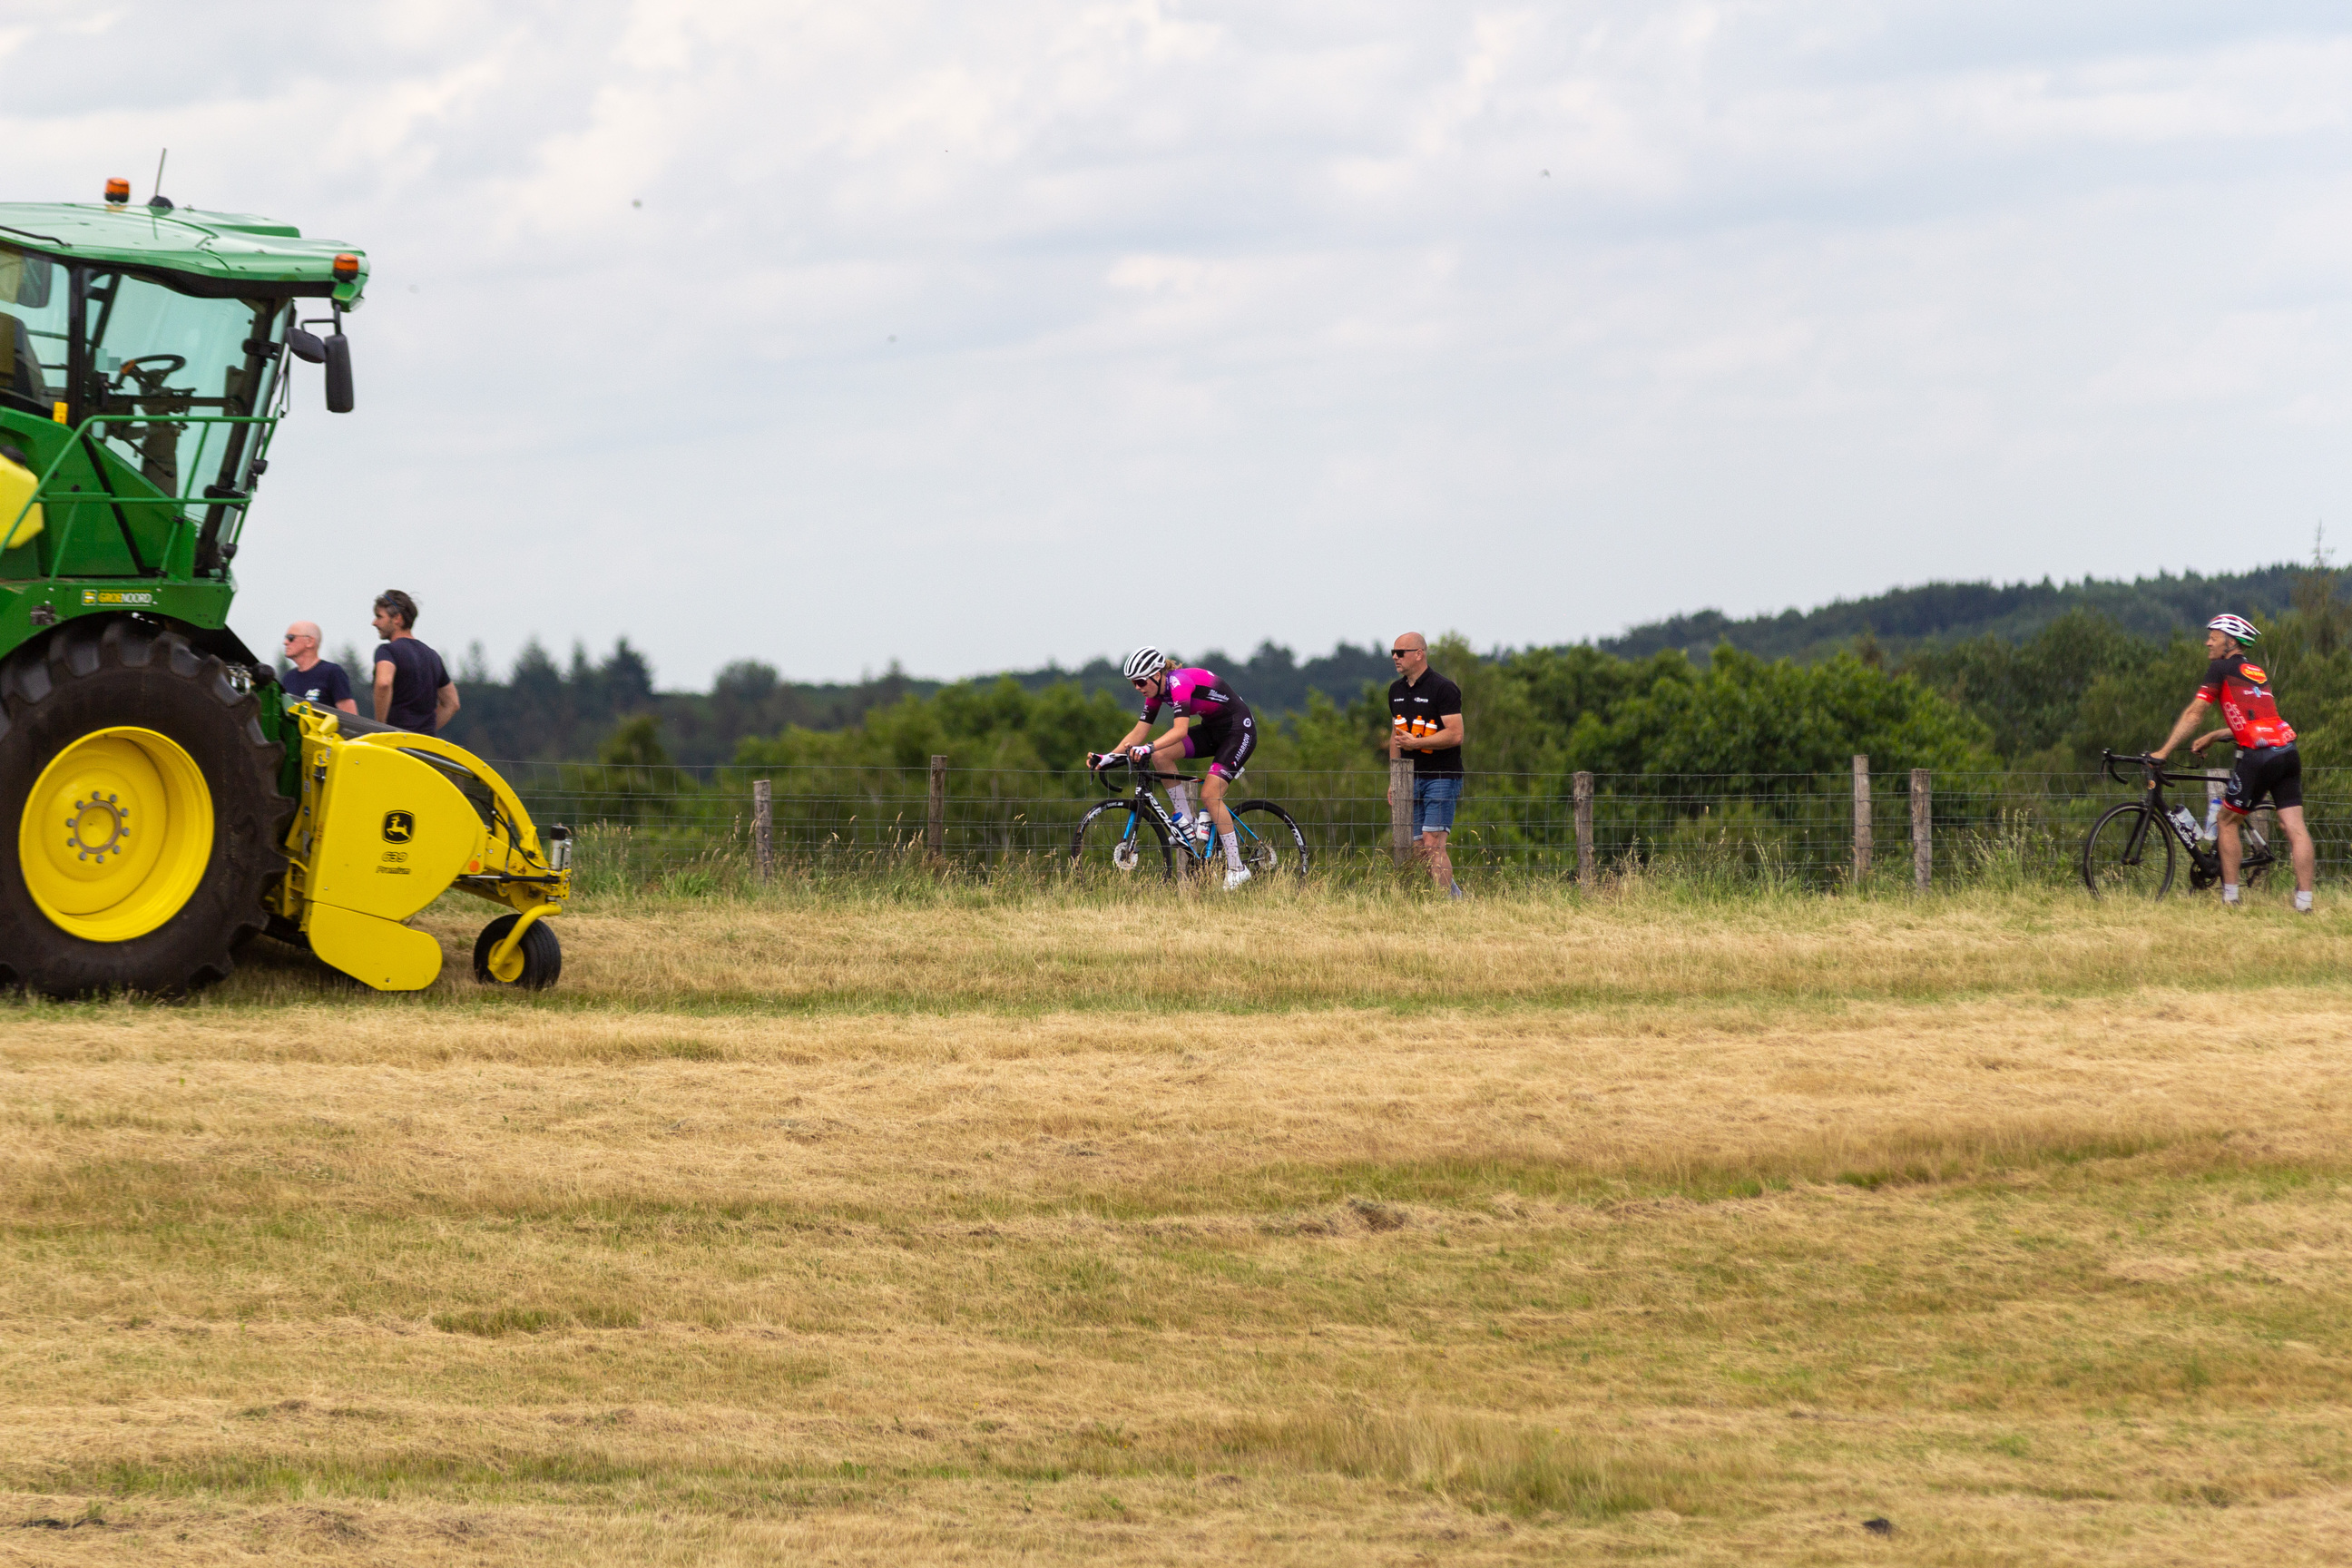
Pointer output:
x,y
542,954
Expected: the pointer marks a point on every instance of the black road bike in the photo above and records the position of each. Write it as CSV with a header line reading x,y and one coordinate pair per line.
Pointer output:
x,y
1133,833
2133,848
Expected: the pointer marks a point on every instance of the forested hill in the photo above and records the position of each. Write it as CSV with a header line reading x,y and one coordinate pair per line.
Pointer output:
x,y
549,711
546,711
2151,608
1273,679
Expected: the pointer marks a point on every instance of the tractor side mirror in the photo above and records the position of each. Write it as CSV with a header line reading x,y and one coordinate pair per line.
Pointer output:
x,y
339,374
306,346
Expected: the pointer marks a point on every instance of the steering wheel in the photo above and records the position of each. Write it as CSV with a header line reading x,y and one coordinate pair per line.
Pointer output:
x,y
150,380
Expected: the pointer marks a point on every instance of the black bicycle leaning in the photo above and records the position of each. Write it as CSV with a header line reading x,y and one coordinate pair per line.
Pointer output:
x,y
1126,834
2133,847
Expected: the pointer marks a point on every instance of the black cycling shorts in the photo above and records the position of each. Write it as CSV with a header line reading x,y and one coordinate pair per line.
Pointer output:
x,y
2272,771
1230,742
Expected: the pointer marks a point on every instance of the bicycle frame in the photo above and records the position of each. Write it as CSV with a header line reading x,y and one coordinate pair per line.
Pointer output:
x,y
1199,854
2205,864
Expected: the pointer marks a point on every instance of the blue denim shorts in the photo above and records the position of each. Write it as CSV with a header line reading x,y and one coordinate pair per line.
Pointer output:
x,y
1433,800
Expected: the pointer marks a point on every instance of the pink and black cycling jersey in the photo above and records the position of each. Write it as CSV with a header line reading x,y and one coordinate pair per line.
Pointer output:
x,y
1221,727
1200,695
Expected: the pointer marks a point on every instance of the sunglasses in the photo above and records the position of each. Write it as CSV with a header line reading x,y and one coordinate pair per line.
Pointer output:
x,y
1139,684
1401,652
292,637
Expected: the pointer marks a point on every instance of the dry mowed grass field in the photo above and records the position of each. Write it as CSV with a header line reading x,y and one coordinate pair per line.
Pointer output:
x,y
1318,1226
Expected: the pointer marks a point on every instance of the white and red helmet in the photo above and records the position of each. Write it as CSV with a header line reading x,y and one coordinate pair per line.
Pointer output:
x,y
2235,626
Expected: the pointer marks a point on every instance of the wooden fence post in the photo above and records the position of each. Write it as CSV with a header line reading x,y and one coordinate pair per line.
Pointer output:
x,y
1861,818
935,824
763,828
1401,808
1923,855
1584,830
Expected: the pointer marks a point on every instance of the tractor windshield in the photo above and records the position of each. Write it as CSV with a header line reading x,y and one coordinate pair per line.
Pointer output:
x,y
32,330
155,351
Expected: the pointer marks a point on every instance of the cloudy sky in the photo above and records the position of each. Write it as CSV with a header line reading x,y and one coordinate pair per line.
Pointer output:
x,y
974,336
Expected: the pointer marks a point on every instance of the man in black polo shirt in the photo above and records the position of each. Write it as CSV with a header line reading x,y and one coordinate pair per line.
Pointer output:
x,y
412,691
1425,719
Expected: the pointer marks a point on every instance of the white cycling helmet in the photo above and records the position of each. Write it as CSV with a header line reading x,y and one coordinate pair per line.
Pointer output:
x,y
2236,627
1144,663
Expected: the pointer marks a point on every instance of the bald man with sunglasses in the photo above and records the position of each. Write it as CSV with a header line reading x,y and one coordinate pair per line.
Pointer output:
x,y
1425,719
312,679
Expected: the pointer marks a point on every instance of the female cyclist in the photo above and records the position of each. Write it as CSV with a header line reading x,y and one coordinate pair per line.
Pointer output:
x,y
1212,721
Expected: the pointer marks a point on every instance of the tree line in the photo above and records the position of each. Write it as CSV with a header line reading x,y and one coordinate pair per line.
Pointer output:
x,y
608,708
2049,703
2046,699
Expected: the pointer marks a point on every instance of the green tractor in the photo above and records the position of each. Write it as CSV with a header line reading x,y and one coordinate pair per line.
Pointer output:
x,y
161,800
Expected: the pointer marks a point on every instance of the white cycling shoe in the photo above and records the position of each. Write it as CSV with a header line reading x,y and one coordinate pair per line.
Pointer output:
x,y
1236,877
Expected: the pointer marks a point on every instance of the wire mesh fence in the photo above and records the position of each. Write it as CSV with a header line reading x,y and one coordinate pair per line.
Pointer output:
x,y
702,828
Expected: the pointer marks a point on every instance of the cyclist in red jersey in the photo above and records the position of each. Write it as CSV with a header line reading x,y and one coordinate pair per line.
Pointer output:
x,y
2267,762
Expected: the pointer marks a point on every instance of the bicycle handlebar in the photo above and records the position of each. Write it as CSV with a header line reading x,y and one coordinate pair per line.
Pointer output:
x,y
1109,760
2153,764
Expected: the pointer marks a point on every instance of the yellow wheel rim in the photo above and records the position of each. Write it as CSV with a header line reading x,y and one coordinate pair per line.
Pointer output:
x,y
116,833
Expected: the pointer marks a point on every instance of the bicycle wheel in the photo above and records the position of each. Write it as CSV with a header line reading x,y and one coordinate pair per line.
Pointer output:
x,y
1115,840
2114,866
1270,840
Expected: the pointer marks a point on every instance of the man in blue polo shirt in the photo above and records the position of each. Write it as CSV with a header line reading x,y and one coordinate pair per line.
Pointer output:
x,y
412,691
319,681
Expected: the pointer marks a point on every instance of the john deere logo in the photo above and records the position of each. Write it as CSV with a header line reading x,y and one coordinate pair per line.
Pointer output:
x,y
399,827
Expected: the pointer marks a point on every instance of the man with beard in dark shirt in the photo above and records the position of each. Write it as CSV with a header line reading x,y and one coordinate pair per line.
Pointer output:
x,y
412,691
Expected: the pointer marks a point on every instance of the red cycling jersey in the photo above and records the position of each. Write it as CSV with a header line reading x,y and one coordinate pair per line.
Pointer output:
x,y
2242,691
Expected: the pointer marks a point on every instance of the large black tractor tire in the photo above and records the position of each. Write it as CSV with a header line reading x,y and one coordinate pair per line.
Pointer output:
x,y
119,738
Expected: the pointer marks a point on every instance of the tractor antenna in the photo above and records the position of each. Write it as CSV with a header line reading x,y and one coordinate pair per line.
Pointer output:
x,y
159,171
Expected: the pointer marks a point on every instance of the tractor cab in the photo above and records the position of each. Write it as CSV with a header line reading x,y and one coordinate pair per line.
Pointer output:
x,y
143,366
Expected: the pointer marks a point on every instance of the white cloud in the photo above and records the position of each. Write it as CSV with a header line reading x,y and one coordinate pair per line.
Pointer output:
x,y
976,336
